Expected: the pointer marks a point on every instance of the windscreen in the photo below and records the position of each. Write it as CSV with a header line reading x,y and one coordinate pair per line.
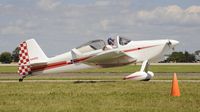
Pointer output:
x,y
92,45
123,41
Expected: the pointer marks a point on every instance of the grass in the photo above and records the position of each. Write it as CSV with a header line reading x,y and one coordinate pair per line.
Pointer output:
x,y
154,68
127,69
125,96
8,69
101,76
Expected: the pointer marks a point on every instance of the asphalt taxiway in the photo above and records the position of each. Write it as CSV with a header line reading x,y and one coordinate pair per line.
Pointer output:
x,y
97,77
92,81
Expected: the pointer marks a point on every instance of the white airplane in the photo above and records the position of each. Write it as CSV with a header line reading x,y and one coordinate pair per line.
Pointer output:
x,y
95,53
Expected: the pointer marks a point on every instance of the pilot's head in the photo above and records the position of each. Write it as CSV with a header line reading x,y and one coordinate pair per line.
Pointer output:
x,y
110,41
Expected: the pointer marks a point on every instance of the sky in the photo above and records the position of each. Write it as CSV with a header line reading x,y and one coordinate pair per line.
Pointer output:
x,y
60,25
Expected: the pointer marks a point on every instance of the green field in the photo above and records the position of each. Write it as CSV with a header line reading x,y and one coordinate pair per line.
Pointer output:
x,y
98,76
154,68
125,96
8,69
119,96
127,69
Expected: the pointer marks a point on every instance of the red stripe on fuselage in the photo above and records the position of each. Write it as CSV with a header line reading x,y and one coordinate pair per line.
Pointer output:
x,y
56,64
139,48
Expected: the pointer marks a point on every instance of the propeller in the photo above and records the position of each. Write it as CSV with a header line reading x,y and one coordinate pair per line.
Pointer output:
x,y
169,43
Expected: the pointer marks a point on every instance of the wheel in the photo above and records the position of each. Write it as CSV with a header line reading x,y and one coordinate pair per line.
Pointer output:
x,y
21,80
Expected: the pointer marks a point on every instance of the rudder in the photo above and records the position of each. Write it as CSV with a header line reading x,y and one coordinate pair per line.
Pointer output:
x,y
24,68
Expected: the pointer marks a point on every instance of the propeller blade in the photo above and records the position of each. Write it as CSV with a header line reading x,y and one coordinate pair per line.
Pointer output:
x,y
169,43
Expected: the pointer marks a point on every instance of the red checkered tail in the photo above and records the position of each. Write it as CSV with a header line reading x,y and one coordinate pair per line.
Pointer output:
x,y
30,54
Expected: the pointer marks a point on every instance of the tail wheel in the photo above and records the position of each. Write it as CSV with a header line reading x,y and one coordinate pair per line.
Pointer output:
x,y
21,80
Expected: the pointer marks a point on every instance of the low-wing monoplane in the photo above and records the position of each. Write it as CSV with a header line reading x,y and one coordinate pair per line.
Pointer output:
x,y
96,53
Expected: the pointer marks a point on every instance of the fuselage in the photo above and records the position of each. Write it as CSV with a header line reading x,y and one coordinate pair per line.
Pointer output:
x,y
136,51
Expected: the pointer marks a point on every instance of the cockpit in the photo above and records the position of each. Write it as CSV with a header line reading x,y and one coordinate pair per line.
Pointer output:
x,y
101,45
91,46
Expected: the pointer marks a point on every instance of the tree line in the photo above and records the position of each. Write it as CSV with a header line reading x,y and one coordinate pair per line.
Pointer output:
x,y
7,57
181,57
175,57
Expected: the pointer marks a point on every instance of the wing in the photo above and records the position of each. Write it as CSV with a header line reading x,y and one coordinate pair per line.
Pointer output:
x,y
110,58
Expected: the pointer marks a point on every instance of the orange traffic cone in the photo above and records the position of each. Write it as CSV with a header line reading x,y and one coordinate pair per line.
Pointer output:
x,y
175,88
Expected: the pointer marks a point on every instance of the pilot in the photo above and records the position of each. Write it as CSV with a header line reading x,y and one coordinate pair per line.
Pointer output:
x,y
110,41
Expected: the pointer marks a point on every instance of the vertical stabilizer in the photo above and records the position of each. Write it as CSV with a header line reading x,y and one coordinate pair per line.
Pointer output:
x,y
30,54
36,55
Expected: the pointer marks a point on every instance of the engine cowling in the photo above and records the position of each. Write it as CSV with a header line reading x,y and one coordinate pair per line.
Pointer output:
x,y
142,76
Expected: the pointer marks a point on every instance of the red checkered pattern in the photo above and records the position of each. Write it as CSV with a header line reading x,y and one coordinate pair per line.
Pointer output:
x,y
24,63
